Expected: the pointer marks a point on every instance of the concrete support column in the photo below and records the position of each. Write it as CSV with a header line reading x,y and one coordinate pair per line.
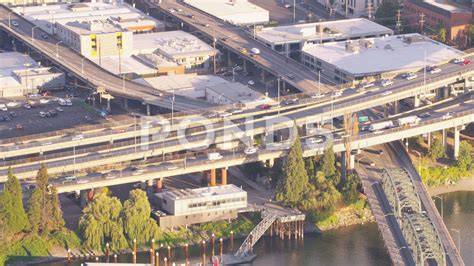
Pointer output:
x,y
212,181
263,76
148,110
229,61
457,131
445,139
386,110
270,163
467,85
428,139
125,103
108,105
245,65
224,176
159,184
352,162
416,102
343,164
446,92
396,104
83,197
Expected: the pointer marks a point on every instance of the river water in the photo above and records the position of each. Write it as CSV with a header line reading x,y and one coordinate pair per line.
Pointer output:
x,y
355,245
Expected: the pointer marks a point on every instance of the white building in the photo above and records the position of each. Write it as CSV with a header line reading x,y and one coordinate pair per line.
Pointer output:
x,y
20,75
352,8
288,39
94,29
190,206
240,12
176,46
373,58
213,89
32,2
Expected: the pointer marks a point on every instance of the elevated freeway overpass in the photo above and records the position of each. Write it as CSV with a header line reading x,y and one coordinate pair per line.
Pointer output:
x,y
86,70
319,109
463,114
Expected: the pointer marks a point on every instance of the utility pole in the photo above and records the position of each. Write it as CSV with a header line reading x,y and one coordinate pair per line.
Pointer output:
x,y
422,22
215,53
398,24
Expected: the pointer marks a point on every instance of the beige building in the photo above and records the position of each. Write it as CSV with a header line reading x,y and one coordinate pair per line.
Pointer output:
x,y
34,2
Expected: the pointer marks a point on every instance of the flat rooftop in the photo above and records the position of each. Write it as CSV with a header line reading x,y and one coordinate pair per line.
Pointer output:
x,y
346,28
180,194
122,15
237,11
182,82
170,43
129,64
12,61
387,54
449,6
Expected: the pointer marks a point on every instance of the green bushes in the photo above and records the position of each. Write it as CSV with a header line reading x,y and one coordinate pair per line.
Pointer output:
x,y
435,176
24,249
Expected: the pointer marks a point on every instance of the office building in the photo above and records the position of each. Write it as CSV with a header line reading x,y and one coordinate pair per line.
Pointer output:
x,y
352,8
239,12
290,39
200,205
176,46
374,58
453,16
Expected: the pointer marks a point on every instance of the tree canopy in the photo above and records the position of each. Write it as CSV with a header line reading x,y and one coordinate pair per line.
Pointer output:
x,y
437,149
293,182
464,160
11,206
136,218
441,33
387,12
328,166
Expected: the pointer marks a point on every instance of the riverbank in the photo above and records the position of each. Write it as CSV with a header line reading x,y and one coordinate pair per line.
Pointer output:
x,y
466,184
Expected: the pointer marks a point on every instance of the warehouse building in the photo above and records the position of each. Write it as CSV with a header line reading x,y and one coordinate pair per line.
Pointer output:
x,y
200,205
290,39
239,12
21,75
374,58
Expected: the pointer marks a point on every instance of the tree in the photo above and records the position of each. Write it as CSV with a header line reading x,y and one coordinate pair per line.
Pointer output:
x,y
464,161
328,165
387,12
323,195
136,218
293,183
441,33
101,223
470,33
11,206
44,209
350,190
351,128
437,149
309,166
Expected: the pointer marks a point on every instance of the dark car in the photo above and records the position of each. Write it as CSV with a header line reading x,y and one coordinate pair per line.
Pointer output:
x,y
7,118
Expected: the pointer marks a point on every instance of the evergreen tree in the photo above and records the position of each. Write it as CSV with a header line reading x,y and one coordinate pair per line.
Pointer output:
x,y
441,33
325,196
136,218
38,202
464,161
328,166
350,190
57,220
293,183
437,149
11,206
309,165
101,223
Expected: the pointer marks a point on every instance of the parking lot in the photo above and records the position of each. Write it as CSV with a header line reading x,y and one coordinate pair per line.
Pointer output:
x,y
21,119
280,13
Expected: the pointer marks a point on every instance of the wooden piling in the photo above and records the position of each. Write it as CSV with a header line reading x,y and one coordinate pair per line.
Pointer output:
x,y
115,258
231,240
169,255
221,247
157,259
213,239
203,252
186,254
151,257
107,252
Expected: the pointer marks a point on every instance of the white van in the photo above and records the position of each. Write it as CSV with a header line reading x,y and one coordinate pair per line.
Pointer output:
x,y
214,156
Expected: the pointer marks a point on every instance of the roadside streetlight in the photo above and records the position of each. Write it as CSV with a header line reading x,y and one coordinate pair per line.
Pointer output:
x,y
32,33
319,81
172,108
278,81
442,207
57,48
459,237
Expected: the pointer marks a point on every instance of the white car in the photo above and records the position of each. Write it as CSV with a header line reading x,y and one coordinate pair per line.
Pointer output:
x,y
225,114
385,93
13,104
337,94
138,171
386,82
42,114
3,107
458,60
448,115
251,82
68,102
78,137
315,140
250,150
82,181
44,101
411,76
434,70
317,96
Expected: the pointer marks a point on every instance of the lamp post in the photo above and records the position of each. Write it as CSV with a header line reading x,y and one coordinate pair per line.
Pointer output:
x,y
172,108
442,207
26,65
319,81
233,73
459,237
57,48
32,33
278,81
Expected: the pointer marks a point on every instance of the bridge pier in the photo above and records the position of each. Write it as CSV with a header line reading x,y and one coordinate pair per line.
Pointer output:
x,y
457,131
428,139
270,163
396,106
159,185
352,162
224,176
444,139
148,110
386,110
416,102
125,103
263,76
245,65
212,181
85,197
108,105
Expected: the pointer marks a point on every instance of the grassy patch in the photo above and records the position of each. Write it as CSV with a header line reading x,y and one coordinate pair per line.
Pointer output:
x,y
435,176
24,249
66,239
